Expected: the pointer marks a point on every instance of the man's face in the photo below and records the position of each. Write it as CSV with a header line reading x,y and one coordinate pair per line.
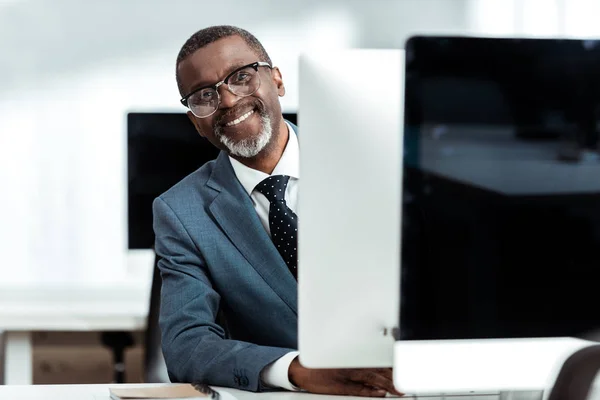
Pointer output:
x,y
262,110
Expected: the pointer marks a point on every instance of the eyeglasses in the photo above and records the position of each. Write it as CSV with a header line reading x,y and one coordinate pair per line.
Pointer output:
x,y
244,81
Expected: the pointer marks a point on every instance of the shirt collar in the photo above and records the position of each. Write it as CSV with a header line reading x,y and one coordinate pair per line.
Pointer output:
x,y
288,165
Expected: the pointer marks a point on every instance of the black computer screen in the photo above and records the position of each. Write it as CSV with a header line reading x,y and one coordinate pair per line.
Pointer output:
x,y
501,188
162,149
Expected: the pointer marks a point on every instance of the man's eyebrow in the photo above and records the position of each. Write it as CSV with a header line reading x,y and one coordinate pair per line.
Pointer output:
x,y
204,84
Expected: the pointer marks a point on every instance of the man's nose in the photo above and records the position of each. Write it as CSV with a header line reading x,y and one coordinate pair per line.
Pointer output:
x,y
228,99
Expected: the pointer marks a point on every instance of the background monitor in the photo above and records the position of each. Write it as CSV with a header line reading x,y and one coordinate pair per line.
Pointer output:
x,y
350,163
162,149
501,189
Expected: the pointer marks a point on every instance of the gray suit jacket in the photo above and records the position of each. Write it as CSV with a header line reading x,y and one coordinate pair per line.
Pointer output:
x,y
215,255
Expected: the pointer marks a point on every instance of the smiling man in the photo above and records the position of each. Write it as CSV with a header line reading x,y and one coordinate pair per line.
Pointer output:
x,y
226,235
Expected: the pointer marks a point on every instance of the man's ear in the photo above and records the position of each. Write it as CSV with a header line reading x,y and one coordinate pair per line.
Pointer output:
x,y
277,78
195,122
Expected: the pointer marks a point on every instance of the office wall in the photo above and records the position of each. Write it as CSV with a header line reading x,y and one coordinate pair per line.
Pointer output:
x,y
71,70
534,18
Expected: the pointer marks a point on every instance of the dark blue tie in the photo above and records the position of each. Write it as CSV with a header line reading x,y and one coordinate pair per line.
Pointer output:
x,y
283,222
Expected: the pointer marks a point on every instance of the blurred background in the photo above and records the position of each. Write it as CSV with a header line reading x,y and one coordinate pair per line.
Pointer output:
x,y
71,71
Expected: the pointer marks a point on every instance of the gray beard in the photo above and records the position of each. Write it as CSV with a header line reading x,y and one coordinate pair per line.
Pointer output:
x,y
250,147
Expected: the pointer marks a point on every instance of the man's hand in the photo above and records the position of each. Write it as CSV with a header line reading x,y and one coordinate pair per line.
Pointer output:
x,y
375,382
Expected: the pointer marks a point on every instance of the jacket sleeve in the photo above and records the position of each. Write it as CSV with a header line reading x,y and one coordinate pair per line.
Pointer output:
x,y
194,345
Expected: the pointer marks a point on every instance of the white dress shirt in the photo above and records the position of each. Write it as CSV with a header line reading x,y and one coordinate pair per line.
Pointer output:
x,y
275,374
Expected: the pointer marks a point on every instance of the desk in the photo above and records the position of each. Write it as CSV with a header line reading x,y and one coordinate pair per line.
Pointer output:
x,y
495,160
100,392
25,309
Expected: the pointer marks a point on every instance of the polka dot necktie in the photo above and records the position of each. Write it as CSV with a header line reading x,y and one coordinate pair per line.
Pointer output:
x,y
283,222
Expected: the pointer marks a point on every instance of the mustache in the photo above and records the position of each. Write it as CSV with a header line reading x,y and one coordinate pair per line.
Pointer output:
x,y
227,114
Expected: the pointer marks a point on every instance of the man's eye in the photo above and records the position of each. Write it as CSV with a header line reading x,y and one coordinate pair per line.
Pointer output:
x,y
241,77
207,95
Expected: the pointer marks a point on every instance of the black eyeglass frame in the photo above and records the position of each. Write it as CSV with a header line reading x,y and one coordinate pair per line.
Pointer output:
x,y
216,86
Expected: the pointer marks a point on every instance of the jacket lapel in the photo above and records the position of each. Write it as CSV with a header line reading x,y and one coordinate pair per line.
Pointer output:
x,y
233,210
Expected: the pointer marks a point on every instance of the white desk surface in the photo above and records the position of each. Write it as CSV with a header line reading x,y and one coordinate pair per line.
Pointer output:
x,y
100,392
74,307
29,307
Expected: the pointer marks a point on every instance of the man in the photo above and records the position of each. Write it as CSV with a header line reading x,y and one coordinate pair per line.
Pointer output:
x,y
226,234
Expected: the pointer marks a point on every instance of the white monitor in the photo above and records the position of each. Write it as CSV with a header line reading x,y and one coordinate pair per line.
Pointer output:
x,y
350,118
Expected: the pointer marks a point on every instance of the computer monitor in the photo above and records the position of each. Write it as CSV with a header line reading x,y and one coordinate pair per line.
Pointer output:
x,y
502,230
501,204
348,205
162,149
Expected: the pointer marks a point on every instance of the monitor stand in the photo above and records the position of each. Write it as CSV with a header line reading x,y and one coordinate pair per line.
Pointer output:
x,y
482,366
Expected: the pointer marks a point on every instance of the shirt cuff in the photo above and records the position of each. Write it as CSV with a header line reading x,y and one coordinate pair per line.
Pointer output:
x,y
276,373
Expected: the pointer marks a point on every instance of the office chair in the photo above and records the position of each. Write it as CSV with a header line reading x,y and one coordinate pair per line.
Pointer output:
x,y
117,342
155,369
577,375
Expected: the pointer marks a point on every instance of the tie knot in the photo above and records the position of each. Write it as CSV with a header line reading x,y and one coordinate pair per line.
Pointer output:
x,y
273,187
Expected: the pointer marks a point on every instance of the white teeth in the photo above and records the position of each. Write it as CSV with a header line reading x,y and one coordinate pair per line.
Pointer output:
x,y
240,119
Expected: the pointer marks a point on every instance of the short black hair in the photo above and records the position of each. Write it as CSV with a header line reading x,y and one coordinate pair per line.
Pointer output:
x,y
211,34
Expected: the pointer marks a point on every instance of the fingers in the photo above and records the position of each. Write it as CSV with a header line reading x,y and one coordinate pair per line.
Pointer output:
x,y
358,389
379,378
389,374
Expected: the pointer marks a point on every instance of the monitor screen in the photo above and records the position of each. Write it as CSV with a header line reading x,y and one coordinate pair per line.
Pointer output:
x,y
162,149
501,188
